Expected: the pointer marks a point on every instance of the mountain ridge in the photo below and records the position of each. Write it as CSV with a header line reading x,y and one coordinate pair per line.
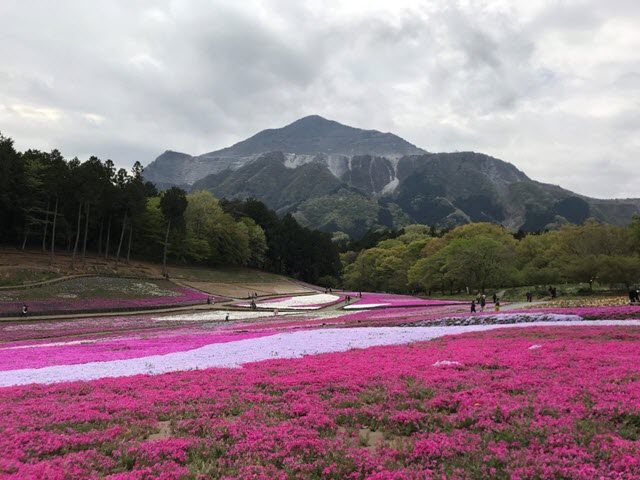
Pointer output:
x,y
341,178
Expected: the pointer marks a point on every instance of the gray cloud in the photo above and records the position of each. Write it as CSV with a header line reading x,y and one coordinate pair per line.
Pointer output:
x,y
553,87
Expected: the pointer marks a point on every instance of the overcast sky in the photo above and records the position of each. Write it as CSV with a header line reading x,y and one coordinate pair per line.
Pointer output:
x,y
550,86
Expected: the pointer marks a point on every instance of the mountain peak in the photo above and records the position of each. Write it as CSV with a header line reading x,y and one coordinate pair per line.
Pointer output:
x,y
312,119
313,135
317,122
306,137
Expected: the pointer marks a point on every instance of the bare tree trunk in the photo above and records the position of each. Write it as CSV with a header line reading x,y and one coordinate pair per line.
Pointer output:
x,y
129,247
124,226
53,229
86,233
100,237
106,250
75,246
166,244
24,240
46,225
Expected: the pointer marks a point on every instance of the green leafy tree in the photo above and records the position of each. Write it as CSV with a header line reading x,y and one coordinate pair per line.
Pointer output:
x,y
579,249
173,205
618,269
432,273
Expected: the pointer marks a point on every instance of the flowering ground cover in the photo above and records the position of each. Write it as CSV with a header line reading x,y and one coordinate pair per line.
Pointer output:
x,y
98,293
104,348
94,327
534,402
394,315
18,331
192,349
216,315
376,300
213,354
302,302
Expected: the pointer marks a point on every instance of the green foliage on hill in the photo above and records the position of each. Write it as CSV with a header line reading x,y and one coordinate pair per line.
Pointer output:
x,y
343,211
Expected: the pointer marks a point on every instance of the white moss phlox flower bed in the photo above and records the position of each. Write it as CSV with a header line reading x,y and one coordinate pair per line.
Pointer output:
x,y
303,302
216,315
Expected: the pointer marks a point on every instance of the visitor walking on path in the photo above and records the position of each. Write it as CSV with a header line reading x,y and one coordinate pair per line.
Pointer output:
x,y
497,306
495,298
25,310
483,303
473,306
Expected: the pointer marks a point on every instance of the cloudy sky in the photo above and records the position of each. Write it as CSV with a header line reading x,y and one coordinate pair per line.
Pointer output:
x,y
550,86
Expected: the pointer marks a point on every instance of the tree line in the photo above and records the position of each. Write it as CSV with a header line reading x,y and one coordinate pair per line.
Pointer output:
x,y
482,255
51,203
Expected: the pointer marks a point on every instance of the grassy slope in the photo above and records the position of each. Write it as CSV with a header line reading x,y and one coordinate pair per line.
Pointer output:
x,y
19,268
224,275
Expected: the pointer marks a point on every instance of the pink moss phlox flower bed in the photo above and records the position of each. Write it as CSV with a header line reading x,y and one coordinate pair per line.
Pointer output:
x,y
476,406
185,297
377,300
73,352
286,323
374,317
391,315
46,329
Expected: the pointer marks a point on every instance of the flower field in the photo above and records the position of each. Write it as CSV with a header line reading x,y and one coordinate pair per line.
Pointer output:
x,y
302,302
97,294
377,300
424,391
480,405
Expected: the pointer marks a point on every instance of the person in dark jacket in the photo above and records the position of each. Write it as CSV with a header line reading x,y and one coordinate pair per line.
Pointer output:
x,y
473,306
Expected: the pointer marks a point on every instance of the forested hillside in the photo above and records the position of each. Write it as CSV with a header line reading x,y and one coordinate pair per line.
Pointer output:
x,y
51,203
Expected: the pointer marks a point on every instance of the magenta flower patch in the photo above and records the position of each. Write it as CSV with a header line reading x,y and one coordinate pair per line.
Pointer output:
x,y
481,405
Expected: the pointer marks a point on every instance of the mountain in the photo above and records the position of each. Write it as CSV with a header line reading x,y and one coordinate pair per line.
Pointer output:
x,y
339,178
302,141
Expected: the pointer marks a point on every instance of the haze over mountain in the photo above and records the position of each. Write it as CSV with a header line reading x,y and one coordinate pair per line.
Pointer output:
x,y
340,178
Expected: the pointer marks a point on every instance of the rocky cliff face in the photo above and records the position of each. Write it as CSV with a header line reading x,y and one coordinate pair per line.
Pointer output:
x,y
340,178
